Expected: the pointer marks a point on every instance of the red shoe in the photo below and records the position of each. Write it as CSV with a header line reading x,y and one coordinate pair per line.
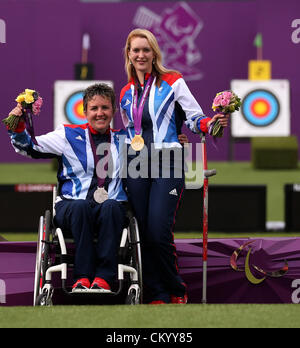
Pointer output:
x,y
158,302
100,285
179,300
81,285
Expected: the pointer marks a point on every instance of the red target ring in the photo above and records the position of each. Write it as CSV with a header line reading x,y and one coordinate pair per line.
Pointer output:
x,y
78,110
260,108
74,108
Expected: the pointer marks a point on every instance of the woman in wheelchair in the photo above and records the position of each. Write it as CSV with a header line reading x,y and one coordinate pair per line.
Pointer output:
x,y
90,200
90,192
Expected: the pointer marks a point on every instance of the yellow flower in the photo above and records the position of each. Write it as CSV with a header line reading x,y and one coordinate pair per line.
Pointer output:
x,y
29,99
29,96
29,91
20,98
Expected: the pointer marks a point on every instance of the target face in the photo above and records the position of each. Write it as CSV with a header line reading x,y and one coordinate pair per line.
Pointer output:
x,y
260,108
265,110
74,108
68,103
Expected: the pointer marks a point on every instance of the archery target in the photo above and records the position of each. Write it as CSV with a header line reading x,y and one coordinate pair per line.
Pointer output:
x,y
68,103
74,108
265,109
260,108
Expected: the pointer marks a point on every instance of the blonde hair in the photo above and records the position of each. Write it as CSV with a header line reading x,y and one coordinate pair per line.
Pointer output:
x,y
158,69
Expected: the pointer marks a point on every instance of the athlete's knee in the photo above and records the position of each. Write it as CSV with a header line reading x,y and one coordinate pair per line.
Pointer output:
x,y
112,209
80,204
80,208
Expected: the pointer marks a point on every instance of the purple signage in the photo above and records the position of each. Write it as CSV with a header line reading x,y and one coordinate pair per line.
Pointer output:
x,y
241,270
264,270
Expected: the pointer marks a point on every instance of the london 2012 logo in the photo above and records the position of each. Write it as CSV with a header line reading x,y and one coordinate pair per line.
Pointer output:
x,y
176,29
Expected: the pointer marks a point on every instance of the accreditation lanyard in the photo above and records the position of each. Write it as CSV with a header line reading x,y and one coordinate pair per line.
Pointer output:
x,y
102,173
138,110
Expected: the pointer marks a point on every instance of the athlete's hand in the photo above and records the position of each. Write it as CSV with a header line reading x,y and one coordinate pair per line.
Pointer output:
x,y
223,119
17,111
183,139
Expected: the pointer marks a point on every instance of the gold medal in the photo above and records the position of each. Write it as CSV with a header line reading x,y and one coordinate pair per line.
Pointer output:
x,y
100,195
137,143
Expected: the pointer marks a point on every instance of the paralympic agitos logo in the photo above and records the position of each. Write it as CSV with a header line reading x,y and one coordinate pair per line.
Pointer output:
x,y
255,274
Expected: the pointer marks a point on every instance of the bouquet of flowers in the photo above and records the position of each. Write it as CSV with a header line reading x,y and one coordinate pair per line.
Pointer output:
x,y
31,102
224,103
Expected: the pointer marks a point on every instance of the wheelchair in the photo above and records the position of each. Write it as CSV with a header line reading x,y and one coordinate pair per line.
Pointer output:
x,y
55,254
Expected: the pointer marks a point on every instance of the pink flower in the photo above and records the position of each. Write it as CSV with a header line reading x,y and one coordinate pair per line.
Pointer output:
x,y
227,94
225,102
36,106
217,100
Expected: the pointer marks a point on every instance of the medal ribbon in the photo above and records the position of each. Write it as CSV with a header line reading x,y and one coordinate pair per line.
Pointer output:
x,y
138,111
101,180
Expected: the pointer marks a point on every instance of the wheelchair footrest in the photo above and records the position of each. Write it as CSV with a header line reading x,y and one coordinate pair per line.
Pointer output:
x,y
91,291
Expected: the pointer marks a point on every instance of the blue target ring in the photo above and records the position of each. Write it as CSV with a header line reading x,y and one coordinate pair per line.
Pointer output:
x,y
74,108
260,108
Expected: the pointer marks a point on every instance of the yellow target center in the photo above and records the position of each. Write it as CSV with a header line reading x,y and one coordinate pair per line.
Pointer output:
x,y
260,108
79,110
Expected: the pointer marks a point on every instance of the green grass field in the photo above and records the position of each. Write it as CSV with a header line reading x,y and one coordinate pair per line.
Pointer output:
x,y
164,316
146,316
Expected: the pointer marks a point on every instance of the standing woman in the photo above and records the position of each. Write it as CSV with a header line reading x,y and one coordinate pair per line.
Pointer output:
x,y
153,103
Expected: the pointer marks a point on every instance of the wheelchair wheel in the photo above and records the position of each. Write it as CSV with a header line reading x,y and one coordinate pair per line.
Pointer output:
x,y
135,297
45,299
42,256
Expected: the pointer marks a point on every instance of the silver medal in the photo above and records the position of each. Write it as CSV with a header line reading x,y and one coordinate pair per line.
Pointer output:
x,y
100,195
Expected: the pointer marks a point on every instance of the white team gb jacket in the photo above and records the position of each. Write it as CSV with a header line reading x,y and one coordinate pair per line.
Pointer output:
x,y
70,144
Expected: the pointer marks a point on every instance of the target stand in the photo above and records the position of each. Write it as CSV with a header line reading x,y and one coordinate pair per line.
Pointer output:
x,y
265,111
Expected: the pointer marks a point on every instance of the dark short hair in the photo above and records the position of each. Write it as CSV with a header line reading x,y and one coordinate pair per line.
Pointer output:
x,y
101,89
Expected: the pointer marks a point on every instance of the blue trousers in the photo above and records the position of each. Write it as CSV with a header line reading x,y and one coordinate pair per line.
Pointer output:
x,y
155,203
86,221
